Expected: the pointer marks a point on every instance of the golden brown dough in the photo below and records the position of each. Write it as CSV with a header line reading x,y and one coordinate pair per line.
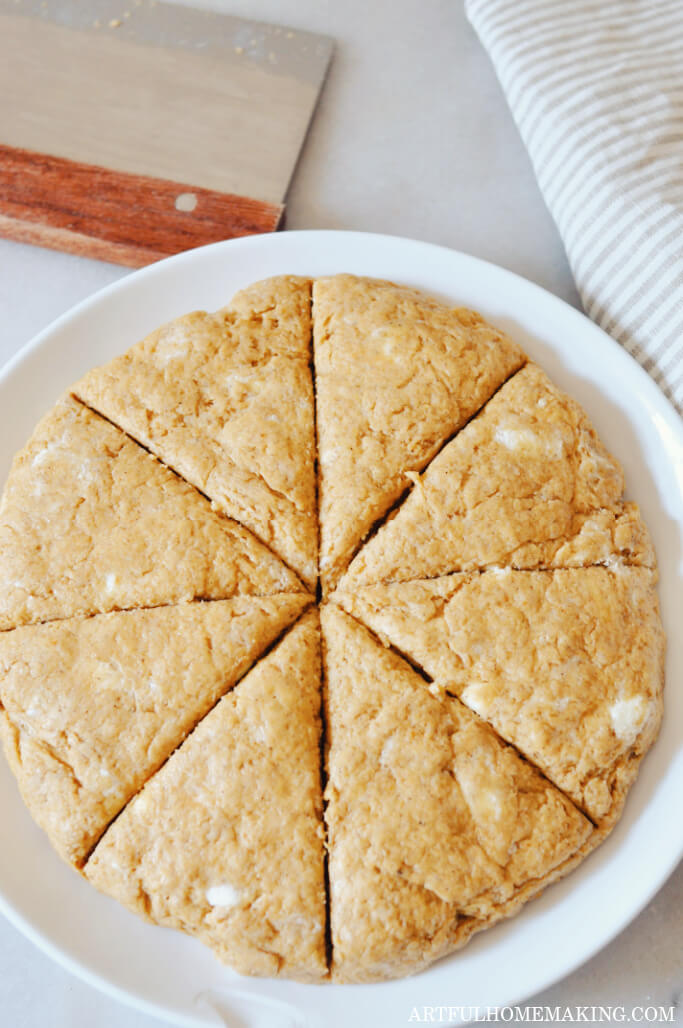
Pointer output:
x,y
91,522
226,400
90,708
567,665
431,818
161,685
225,841
396,374
527,483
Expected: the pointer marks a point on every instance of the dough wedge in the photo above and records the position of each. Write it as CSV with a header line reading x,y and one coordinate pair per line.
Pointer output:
x,y
436,828
526,484
226,840
90,708
567,665
397,373
226,400
90,522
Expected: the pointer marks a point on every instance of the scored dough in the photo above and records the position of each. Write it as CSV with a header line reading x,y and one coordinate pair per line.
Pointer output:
x,y
226,400
90,708
567,665
527,483
435,826
396,374
162,702
226,840
91,522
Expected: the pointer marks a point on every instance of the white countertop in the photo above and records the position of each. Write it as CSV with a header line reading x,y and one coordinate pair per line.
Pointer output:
x,y
412,137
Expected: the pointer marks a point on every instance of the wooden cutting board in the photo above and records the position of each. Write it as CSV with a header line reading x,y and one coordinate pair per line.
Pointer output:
x,y
132,129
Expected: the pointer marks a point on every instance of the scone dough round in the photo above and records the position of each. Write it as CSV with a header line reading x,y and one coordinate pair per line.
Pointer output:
x,y
326,632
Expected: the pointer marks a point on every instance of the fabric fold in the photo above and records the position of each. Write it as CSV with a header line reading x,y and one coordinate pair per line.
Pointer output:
x,y
596,91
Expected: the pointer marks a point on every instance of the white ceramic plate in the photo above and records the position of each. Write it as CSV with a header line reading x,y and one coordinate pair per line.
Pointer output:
x,y
175,977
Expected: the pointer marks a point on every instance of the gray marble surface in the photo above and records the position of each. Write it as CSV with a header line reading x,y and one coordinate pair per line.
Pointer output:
x,y
412,136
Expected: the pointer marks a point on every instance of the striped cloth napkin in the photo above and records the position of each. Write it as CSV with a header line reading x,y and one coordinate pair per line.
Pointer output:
x,y
596,90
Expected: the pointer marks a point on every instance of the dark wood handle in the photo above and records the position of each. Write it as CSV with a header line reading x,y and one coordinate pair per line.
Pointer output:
x,y
115,216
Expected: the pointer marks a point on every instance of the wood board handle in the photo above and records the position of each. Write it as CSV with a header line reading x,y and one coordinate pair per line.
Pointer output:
x,y
115,216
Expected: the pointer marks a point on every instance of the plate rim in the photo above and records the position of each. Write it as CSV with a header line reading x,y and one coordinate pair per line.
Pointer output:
x,y
651,388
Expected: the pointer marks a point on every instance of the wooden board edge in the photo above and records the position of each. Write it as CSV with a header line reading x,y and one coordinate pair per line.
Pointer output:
x,y
115,216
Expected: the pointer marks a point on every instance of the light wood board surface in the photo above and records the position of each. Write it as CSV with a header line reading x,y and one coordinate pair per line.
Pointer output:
x,y
161,92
